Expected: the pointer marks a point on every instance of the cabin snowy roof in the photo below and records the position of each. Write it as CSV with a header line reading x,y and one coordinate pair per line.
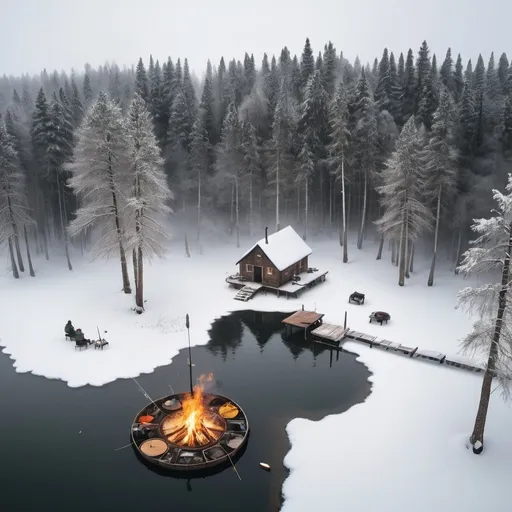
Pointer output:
x,y
284,248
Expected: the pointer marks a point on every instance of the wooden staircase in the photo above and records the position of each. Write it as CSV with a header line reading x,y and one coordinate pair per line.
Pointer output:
x,y
245,293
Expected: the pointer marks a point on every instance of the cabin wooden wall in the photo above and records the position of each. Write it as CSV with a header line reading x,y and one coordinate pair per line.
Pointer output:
x,y
258,258
296,268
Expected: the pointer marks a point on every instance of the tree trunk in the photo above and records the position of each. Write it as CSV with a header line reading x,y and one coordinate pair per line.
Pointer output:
x,y
15,272
198,205
306,205
322,194
411,258
139,291
393,251
15,231
407,275
330,206
232,210
477,437
122,254
381,246
401,256
363,213
62,208
187,250
134,262
250,204
344,210
436,237
237,213
298,203
29,259
278,227
457,254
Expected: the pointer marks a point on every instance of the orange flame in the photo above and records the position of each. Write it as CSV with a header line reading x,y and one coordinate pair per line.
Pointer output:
x,y
193,426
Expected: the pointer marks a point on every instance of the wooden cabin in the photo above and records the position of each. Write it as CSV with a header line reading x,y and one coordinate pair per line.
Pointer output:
x,y
275,259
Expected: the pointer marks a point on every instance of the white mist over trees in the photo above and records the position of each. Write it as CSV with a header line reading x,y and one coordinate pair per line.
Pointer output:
x,y
318,142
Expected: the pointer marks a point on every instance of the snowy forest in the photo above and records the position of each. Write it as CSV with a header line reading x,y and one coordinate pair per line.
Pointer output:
x,y
406,149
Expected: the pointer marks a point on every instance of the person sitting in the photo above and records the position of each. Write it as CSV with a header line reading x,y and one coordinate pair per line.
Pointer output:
x,y
70,330
80,337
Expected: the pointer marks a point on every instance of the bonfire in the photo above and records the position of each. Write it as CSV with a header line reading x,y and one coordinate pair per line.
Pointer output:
x,y
194,425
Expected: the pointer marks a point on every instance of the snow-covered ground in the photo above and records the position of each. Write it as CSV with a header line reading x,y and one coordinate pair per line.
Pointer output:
x,y
402,450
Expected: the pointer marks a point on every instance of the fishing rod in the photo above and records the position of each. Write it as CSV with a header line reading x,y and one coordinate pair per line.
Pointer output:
x,y
187,323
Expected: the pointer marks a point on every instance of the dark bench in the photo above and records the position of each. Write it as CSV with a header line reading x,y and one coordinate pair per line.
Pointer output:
x,y
356,297
81,344
380,316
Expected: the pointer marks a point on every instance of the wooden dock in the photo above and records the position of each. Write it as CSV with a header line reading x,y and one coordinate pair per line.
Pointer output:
x,y
306,320
330,333
414,352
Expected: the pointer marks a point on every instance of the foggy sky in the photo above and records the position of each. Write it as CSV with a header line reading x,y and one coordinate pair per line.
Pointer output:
x,y
65,34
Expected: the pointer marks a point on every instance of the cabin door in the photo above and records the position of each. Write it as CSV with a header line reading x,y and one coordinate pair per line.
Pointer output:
x,y
258,274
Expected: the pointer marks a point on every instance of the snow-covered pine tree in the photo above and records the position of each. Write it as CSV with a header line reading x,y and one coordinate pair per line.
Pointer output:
x,y
230,160
329,69
141,81
490,255
395,91
503,68
251,156
147,202
77,108
458,79
440,160
281,145
382,91
312,131
446,72
101,180
338,121
59,152
405,215
39,137
363,146
199,162
271,86
206,106
87,90
13,199
307,65
409,88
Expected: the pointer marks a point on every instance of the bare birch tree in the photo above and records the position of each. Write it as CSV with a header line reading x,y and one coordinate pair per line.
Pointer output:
x,y
101,181
405,215
492,333
13,198
146,204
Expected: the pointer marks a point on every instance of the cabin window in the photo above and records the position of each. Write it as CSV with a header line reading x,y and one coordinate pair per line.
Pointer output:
x,y
258,256
270,271
248,268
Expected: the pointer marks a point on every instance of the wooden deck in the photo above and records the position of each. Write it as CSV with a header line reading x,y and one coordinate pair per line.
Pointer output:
x,y
333,335
291,288
303,318
306,320
329,332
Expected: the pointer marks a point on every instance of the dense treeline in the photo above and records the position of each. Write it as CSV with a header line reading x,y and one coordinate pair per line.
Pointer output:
x,y
405,145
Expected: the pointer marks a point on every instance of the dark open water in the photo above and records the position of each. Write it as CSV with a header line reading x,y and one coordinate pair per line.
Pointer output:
x,y
46,464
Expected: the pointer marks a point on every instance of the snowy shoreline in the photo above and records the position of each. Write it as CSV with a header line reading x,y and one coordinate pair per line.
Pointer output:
x,y
411,429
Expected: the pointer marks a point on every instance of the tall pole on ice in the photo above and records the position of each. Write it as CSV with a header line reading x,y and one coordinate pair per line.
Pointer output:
x,y
187,323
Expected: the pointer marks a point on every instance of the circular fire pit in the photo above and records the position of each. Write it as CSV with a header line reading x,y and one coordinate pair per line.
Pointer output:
x,y
182,432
